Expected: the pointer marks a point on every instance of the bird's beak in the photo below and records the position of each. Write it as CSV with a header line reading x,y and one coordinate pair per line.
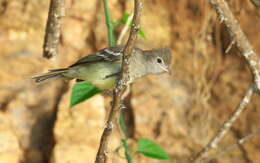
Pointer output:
x,y
167,69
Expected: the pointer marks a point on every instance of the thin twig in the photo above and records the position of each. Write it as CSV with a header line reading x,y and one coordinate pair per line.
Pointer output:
x,y
121,85
239,142
125,29
110,28
227,124
229,46
52,32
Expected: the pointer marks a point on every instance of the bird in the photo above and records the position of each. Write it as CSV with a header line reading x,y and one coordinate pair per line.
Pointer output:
x,y
102,68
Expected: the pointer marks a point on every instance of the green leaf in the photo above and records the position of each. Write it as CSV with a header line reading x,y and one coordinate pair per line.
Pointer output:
x,y
151,149
141,33
82,91
124,18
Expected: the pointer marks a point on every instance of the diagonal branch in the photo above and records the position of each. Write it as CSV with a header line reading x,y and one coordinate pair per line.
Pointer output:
x,y
227,124
226,16
239,142
52,31
121,85
238,37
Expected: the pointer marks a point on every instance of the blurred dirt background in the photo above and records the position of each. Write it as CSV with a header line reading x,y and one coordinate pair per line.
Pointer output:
x,y
180,112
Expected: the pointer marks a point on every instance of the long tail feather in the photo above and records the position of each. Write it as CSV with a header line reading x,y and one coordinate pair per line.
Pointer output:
x,y
52,74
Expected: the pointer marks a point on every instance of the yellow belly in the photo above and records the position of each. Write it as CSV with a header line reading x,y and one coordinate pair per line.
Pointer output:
x,y
97,73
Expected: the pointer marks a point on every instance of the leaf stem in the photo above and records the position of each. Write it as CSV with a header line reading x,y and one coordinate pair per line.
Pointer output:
x,y
110,27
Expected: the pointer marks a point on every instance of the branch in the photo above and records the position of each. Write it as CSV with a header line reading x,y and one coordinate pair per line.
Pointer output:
x,y
52,32
227,124
239,142
225,15
238,37
121,85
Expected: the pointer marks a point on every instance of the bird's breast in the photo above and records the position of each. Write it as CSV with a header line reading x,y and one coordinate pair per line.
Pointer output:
x,y
99,74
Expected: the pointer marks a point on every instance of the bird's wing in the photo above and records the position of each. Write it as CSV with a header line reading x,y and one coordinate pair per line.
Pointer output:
x,y
109,54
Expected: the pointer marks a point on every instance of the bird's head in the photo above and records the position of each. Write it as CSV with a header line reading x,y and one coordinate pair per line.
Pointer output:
x,y
159,60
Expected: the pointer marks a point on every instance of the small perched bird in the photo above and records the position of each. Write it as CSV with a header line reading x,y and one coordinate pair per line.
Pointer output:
x,y
103,67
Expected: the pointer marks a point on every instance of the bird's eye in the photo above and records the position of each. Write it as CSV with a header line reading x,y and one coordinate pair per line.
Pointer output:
x,y
159,60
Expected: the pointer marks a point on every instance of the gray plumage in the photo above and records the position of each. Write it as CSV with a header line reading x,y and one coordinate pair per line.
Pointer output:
x,y
103,67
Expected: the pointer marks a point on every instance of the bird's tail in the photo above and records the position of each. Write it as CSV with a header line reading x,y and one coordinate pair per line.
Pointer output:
x,y
53,74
